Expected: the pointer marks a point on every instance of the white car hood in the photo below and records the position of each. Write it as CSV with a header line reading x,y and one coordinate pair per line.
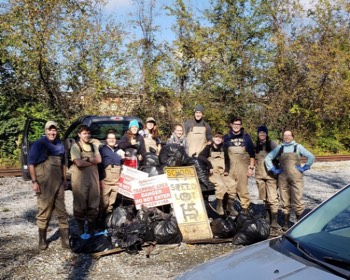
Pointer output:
x,y
258,261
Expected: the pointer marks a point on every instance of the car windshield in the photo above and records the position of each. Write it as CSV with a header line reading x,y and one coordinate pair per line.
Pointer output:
x,y
325,233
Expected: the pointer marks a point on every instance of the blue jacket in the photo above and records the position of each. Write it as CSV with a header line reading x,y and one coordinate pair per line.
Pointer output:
x,y
289,148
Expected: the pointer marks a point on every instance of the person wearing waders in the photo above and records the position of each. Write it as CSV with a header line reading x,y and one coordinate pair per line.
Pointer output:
x,y
290,174
151,136
240,156
266,181
48,172
198,133
85,180
213,157
109,170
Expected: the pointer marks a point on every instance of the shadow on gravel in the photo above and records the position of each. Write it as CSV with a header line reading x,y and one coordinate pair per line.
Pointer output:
x,y
335,183
81,267
13,255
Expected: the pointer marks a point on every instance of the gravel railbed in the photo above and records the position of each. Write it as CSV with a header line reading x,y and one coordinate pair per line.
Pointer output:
x,y
20,258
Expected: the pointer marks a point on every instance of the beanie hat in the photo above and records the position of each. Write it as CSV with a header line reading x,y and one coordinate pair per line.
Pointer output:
x,y
199,108
263,128
134,123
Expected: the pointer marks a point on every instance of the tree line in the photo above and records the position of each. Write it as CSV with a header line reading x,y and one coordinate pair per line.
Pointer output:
x,y
270,62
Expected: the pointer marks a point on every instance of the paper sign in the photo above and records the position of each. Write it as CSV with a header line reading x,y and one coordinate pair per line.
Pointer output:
x,y
151,192
127,176
188,203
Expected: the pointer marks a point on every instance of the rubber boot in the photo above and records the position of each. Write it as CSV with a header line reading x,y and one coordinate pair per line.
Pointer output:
x,y
42,239
92,227
274,223
101,221
230,208
219,207
64,232
285,225
80,224
298,217
268,216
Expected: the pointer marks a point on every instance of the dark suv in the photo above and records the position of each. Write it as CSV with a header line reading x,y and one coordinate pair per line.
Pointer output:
x,y
99,125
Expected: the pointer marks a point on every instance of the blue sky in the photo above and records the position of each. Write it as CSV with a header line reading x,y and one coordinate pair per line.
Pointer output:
x,y
120,9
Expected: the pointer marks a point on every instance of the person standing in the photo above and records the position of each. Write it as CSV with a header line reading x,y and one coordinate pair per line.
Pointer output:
x,y
151,136
133,144
266,181
109,169
290,171
46,163
240,157
177,137
198,132
213,157
85,180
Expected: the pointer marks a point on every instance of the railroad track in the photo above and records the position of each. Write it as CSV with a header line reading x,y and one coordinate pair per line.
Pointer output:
x,y
15,172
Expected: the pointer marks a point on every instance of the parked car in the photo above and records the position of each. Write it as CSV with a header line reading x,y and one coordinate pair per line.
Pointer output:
x,y
317,247
99,125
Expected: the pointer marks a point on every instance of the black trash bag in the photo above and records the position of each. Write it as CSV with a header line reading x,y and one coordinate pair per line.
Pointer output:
x,y
173,155
94,244
167,231
257,210
251,230
202,173
120,215
131,236
152,170
151,159
224,228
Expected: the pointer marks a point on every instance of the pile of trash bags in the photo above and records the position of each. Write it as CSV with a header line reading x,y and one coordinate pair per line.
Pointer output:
x,y
175,155
129,229
245,229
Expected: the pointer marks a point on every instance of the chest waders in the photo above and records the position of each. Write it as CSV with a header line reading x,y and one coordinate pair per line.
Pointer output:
x,y
51,198
151,143
223,184
196,140
290,184
86,192
110,188
266,183
239,162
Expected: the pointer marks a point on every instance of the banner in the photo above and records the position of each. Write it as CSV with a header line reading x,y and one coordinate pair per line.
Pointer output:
x,y
127,176
151,192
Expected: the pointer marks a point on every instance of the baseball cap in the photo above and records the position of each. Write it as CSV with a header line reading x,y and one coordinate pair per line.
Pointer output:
x,y
50,124
218,134
150,119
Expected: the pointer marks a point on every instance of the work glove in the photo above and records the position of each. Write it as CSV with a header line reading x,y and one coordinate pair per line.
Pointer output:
x,y
276,171
302,168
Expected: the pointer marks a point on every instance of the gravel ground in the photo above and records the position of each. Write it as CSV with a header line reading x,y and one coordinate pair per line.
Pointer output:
x,y
20,258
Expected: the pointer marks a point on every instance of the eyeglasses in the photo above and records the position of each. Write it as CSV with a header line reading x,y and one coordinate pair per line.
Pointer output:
x,y
238,124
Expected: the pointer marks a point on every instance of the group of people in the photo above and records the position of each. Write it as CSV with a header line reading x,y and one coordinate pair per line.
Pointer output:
x,y
230,158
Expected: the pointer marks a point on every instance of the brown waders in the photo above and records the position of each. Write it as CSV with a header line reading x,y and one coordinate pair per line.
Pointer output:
x,y
290,184
86,193
108,193
239,162
151,143
196,140
51,199
223,184
267,187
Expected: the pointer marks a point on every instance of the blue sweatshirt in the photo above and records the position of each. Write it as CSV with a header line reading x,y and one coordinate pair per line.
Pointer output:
x,y
289,148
